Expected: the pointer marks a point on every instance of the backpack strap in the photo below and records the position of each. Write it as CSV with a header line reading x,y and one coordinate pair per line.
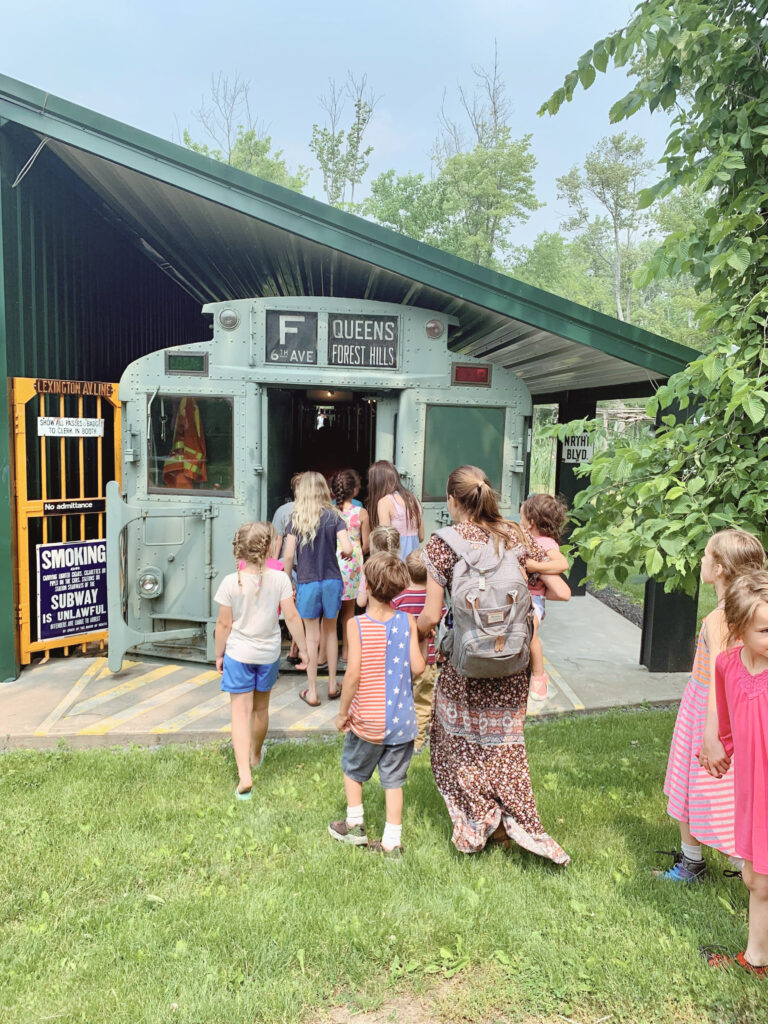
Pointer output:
x,y
451,536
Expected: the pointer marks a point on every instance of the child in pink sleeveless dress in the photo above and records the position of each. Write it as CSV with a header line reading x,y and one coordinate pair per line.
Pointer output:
x,y
741,685
390,504
702,804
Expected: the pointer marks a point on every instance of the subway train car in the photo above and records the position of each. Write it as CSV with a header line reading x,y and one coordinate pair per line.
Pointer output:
x,y
213,432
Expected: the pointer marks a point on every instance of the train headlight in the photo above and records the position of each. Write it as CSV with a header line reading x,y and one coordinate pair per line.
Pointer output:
x,y
229,319
149,582
434,328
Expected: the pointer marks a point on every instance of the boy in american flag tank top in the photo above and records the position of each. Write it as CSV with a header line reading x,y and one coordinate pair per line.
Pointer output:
x,y
376,711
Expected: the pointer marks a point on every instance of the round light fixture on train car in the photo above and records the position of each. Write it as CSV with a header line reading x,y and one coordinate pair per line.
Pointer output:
x,y
149,582
434,328
229,319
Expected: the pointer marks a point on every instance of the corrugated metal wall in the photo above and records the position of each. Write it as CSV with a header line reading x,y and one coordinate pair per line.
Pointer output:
x,y
81,300
78,300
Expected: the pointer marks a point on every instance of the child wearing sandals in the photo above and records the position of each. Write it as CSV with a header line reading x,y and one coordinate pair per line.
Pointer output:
x,y
376,710
248,643
741,691
700,803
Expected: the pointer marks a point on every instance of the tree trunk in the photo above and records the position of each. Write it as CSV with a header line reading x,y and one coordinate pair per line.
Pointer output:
x,y
617,271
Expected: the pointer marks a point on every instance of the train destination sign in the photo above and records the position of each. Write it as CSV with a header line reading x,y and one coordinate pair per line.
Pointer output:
x,y
291,338
368,341
71,588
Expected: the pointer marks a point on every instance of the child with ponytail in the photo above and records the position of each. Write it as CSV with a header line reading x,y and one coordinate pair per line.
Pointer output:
x,y
248,643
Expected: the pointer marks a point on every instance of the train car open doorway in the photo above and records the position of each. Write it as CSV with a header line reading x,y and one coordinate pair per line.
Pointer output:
x,y
324,430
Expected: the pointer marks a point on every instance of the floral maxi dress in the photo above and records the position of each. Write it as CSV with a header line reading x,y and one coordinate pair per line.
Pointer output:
x,y
477,747
351,568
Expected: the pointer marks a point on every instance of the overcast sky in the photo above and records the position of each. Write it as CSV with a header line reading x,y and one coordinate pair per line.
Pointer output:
x,y
149,65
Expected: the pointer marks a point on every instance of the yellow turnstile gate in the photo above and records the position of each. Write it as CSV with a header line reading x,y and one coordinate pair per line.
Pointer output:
x,y
67,447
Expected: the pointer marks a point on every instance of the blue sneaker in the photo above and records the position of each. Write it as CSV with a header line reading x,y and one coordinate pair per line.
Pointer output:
x,y
682,870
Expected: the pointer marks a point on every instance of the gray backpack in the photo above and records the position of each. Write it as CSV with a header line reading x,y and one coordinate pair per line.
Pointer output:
x,y
492,610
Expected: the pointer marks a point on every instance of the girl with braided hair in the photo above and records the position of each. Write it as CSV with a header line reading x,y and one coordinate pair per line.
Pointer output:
x,y
248,643
344,485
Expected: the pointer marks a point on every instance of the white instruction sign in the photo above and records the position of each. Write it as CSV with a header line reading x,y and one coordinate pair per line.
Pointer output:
x,y
69,426
577,449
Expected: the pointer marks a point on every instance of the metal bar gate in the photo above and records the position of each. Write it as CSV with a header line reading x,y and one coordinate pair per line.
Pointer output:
x,y
67,447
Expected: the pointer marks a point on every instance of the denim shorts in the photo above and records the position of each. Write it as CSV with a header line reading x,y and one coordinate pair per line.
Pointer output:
x,y
539,606
319,599
239,677
359,758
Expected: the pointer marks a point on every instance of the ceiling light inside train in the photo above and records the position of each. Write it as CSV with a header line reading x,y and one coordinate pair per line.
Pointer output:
x,y
434,328
229,319
149,582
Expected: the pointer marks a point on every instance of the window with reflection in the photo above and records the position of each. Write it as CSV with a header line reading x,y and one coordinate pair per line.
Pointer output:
x,y
457,436
191,444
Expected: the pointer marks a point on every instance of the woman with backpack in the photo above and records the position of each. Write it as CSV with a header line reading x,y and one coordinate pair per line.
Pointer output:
x,y
477,746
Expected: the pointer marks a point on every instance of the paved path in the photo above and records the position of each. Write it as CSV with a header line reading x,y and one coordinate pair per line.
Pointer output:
x,y
591,654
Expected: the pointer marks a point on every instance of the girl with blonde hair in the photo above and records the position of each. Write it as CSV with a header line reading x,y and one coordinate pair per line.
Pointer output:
x,y
315,529
702,804
248,642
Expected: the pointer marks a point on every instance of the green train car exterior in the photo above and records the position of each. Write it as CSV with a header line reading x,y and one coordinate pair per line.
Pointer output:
x,y
213,432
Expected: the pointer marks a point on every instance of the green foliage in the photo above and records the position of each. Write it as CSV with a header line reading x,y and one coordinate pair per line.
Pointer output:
x,y
340,153
252,152
470,207
654,505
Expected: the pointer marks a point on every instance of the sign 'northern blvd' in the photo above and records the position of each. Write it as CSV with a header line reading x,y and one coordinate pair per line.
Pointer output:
x,y
368,341
69,426
576,449
71,588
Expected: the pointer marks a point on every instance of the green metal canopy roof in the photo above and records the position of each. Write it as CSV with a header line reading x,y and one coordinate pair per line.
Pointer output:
x,y
224,234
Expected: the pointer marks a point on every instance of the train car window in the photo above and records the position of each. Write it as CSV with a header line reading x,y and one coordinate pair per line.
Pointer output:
x,y
190,444
456,436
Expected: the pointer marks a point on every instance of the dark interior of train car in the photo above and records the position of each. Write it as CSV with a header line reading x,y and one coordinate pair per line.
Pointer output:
x,y
324,430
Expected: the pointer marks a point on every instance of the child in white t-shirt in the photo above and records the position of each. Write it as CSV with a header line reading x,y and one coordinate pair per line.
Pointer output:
x,y
248,643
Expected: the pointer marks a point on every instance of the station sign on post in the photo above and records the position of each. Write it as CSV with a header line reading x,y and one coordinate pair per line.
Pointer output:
x,y
291,338
577,449
71,589
365,341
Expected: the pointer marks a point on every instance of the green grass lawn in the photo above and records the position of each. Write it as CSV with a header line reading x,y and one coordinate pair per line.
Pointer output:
x,y
133,889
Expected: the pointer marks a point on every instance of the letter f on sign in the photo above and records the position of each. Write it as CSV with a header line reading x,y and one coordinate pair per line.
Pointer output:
x,y
286,329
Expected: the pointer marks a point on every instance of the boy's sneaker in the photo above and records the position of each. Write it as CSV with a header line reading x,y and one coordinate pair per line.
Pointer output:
x,y
682,870
344,833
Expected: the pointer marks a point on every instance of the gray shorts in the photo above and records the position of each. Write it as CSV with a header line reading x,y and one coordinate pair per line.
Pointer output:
x,y
359,758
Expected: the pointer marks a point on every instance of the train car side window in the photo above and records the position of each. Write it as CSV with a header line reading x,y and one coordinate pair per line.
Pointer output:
x,y
456,436
190,444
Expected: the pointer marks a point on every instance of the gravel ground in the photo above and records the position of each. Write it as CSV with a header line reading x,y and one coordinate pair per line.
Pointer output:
x,y
619,603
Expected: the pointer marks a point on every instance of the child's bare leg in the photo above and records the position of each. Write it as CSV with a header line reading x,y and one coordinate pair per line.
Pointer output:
x,y
259,726
347,612
756,952
354,791
331,649
393,802
312,630
539,681
241,705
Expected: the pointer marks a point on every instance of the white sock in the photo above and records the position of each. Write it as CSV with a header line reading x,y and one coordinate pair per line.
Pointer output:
x,y
354,815
691,851
737,863
391,837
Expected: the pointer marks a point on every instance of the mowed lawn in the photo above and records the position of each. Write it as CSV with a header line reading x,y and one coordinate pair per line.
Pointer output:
x,y
133,889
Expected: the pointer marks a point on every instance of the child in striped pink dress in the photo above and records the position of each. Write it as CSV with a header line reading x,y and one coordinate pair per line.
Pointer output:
x,y
702,804
376,711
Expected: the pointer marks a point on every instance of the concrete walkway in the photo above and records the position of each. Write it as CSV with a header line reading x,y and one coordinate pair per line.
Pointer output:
x,y
591,654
